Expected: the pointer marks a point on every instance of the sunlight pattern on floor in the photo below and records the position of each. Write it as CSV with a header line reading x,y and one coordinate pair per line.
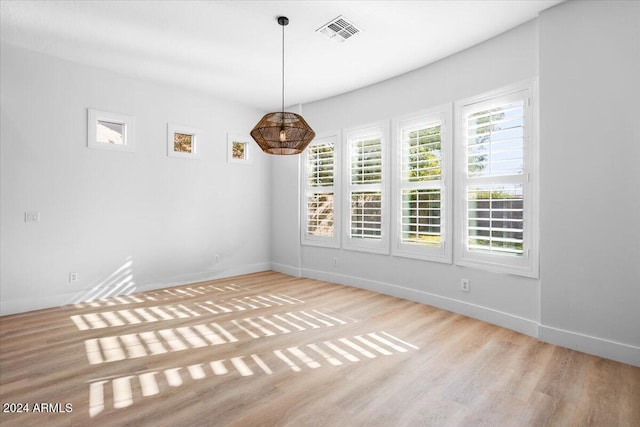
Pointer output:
x,y
141,344
161,295
106,319
122,391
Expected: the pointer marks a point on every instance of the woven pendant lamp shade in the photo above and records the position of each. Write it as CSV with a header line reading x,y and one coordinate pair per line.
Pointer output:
x,y
282,133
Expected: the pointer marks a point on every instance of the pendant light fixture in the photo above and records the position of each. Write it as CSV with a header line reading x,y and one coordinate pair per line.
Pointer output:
x,y
282,132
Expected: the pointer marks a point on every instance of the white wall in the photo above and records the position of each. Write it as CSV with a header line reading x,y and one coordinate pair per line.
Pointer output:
x,y
588,296
123,221
589,89
285,252
507,300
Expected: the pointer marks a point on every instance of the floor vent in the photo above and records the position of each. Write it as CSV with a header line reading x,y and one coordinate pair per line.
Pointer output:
x,y
339,29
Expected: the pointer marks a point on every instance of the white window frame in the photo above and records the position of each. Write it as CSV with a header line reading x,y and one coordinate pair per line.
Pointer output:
x,y
527,264
233,138
127,122
442,253
381,245
334,137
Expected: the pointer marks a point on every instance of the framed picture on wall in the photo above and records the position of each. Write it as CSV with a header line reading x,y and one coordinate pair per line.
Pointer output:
x,y
109,131
238,149
183,141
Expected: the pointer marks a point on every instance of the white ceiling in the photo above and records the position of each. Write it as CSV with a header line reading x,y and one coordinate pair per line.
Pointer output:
x,y
232,49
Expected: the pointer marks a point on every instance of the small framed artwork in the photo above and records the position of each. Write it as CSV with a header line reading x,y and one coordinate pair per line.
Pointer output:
x,y
238,149
183,141
110,131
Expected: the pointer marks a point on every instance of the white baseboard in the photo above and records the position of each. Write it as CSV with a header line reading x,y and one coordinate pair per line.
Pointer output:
x,y
496,317
286,269
619,352
23,305
191,278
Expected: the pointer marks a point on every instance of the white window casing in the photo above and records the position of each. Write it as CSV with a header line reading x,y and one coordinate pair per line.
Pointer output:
x,y
496,181
422,190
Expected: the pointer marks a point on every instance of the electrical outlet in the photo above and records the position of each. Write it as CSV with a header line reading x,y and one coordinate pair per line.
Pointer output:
x,y
32,217
73,277
465,285
335,261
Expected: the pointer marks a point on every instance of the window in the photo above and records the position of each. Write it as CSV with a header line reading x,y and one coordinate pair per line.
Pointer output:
x,y
183,141
423,170
109,131
321,199
367,189
238,149
496,160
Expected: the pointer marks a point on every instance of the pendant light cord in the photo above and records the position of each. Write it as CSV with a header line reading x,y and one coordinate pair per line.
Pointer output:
x,y
283,71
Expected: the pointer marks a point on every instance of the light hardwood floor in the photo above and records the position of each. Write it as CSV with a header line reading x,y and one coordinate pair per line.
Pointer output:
x,y
271,350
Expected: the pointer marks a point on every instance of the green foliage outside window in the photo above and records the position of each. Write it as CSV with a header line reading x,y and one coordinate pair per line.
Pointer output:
x,y
422,161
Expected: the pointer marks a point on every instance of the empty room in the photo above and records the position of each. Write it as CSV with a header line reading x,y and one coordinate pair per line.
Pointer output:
x,y
320,213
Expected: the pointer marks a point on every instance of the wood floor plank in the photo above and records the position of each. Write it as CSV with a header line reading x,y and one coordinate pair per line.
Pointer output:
x,y
275,350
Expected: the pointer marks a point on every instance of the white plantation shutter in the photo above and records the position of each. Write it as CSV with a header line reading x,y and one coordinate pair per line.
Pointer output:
x,y
421,217
498,218
320,214
495,219
421,183
495,166
366,160
320,180
495,140
320,162
423,143
366,173
366,214
367,222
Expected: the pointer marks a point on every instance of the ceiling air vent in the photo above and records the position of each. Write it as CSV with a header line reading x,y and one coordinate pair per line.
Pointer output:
x,y
339,29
